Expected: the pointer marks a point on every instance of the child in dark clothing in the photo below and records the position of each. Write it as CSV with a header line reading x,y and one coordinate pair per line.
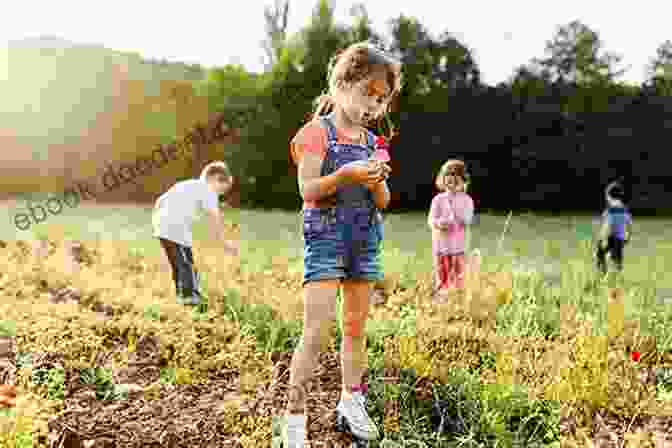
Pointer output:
x,y
616,229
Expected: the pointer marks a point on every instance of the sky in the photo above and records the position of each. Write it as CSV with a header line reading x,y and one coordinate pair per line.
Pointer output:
x,y
502,35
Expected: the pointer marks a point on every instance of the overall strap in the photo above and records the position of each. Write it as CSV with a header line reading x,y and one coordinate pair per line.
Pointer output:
x,y
328,165
371,141
331,130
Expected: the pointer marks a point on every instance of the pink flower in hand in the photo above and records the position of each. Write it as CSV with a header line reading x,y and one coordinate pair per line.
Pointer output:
x,y
381,152
381,155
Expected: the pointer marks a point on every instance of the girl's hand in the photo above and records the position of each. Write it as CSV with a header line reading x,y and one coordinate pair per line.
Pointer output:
x,y
384,170
444,224
361,172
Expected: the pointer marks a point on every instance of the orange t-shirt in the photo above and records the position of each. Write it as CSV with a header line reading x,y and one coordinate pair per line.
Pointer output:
x,y
313,138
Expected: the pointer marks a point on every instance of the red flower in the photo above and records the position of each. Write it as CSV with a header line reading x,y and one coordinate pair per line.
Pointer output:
x,y
382,147
381,142
636,356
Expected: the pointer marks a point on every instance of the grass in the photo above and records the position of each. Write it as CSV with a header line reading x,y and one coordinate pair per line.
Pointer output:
x,y
553,283
535,346
544,243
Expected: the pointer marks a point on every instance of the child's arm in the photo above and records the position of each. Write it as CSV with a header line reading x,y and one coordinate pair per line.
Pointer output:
x,y
467,217
309,148
217,225
464,212
313,186
209,203
381,195
434,213
604,231
216,222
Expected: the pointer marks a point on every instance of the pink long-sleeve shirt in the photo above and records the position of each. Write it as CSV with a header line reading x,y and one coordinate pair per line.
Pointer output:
x,y
455,210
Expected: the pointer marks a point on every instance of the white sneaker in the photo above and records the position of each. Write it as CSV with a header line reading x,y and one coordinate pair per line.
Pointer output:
x,y
294,431
352,416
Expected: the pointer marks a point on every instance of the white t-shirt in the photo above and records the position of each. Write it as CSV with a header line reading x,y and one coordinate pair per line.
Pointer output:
x,y
175,211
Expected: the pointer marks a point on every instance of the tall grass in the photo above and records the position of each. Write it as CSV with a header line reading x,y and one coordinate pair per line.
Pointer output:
x,y
531,341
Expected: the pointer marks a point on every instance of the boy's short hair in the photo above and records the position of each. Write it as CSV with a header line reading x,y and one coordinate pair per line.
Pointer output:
x,y
615,190
215,168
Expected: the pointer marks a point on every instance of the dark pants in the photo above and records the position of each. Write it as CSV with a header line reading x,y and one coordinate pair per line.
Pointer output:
x,y
615,249
185,275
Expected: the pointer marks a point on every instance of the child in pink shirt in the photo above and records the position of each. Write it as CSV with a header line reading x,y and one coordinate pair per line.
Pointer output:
x,y
451,212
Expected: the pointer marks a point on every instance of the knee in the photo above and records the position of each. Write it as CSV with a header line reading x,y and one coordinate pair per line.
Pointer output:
x,y
317,338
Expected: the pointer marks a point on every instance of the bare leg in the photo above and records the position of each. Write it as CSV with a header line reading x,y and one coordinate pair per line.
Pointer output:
x,y
354,357
318,325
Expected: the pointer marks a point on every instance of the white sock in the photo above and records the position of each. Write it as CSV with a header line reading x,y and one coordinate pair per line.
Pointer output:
x,y
296,419
297,423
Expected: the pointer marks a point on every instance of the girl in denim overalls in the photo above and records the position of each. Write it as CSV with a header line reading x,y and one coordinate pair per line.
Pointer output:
x,y
343,190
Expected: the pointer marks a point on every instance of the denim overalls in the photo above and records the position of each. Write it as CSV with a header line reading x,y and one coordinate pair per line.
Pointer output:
x,y
343,241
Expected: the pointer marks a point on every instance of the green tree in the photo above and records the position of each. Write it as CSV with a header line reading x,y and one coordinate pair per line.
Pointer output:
x,y
576,55
232,87
321,39
275,18
275,104
659,71
527,83
432,67
361,29
454,64
411,42
529,80
237,96
301,73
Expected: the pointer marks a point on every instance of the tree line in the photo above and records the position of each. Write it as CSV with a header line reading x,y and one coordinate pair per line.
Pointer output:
x,y
548,138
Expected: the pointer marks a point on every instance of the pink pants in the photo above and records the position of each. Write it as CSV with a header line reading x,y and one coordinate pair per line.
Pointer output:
x,y
450,271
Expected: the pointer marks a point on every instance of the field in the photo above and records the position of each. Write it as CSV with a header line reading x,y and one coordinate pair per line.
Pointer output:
x,y
539,352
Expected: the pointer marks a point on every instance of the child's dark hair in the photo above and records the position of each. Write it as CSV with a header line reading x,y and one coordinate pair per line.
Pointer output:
x,y
354,64
616,192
